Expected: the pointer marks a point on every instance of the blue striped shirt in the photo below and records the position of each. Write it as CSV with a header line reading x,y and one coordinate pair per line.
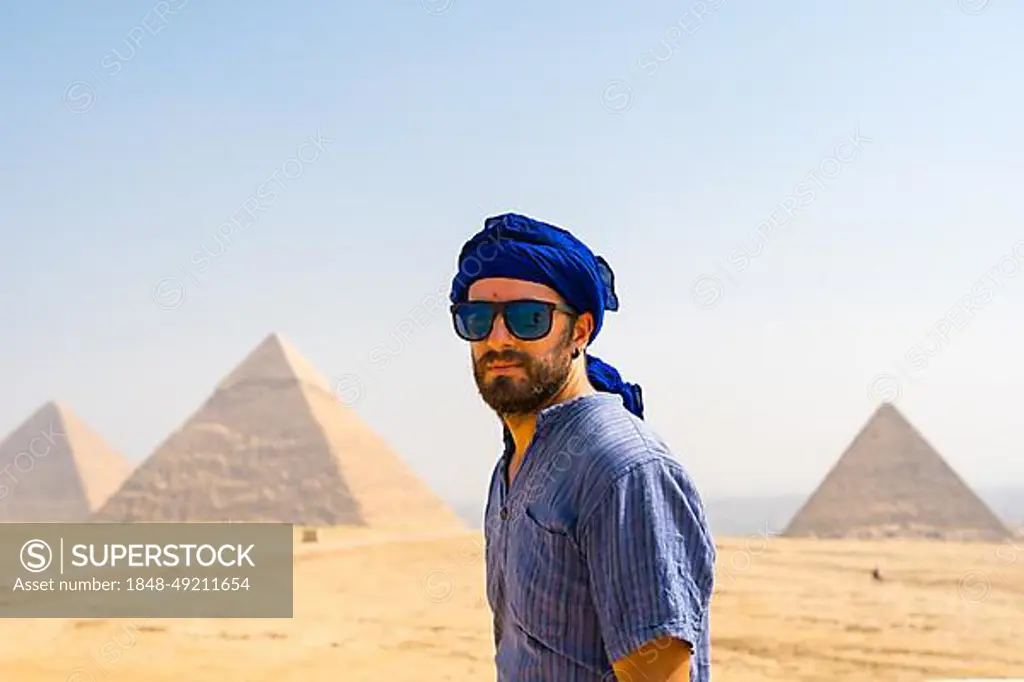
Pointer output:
x,y
599,546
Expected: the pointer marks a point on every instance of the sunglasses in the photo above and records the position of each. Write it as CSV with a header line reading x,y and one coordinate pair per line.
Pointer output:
x,y
525,319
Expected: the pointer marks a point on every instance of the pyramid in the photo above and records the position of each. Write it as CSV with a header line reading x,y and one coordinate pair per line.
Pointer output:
x,y
54,468
274,444
890,482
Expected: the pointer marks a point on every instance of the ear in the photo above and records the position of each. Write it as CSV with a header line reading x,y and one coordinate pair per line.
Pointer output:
x,y
583,330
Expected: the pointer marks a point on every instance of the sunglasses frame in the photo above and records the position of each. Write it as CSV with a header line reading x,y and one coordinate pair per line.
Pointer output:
x,y
500,308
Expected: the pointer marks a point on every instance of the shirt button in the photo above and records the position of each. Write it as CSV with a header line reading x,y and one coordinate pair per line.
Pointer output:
x,y
504,514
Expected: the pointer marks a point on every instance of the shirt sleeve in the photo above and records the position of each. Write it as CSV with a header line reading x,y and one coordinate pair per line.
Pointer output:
x,y
650,558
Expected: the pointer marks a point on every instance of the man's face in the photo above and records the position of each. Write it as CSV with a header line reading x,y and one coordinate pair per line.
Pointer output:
x,y
516,376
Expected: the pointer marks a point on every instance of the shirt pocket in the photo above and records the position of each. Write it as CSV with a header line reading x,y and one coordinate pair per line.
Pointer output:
x,y
547,586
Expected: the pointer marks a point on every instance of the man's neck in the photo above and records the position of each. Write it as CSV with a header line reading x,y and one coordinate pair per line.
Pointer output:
x,y
524,426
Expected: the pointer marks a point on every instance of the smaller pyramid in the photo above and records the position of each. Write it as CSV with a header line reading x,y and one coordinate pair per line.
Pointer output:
x,y
891,483
54,468
273,443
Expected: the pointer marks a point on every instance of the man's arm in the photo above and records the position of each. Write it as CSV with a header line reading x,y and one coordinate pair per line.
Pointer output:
x,y
651,565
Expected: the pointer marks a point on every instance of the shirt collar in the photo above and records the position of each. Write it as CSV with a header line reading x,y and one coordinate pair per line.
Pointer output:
x,y
560,411
568,407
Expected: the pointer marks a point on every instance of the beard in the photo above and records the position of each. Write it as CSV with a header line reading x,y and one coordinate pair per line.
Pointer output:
x,y
540,380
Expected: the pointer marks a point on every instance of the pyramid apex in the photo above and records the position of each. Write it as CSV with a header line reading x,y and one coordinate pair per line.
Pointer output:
x,y
275,358
56,408
275,337
51,410
888,409
278,342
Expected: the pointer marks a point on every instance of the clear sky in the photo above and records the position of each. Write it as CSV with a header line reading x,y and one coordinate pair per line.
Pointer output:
x,y
132,132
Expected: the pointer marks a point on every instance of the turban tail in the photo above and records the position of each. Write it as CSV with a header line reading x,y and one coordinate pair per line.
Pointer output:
x,y
518,247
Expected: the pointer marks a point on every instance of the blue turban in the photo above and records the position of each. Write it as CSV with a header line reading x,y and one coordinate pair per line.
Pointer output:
x,y
518,247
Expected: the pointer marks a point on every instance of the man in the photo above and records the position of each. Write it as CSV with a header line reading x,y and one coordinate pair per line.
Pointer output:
x,y
600,566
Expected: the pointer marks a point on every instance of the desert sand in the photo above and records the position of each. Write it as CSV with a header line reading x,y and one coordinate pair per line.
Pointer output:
x,y
369,608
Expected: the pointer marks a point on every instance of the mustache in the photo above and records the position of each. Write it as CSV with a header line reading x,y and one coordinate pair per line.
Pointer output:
x,y
503,356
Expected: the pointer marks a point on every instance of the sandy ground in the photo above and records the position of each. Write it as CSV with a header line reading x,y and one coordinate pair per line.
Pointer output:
x,y
403,610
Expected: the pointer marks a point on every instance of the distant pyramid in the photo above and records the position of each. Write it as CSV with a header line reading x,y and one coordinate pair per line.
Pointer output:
x,y
891,483
274,444
54,468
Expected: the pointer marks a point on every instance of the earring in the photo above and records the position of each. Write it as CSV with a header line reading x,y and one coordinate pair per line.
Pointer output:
x,y
575,353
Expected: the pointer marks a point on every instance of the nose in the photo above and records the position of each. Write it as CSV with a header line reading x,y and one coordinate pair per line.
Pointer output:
x,y
500,335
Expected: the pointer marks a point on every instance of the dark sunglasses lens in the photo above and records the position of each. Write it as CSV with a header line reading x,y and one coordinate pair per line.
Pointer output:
x,y
528,319
473,320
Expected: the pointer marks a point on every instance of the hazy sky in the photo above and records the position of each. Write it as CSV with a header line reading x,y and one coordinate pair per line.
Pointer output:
x,y
133,132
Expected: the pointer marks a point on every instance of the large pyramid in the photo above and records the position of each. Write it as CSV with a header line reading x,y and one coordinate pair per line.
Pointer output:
x,y
891,483
54,468
274,444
